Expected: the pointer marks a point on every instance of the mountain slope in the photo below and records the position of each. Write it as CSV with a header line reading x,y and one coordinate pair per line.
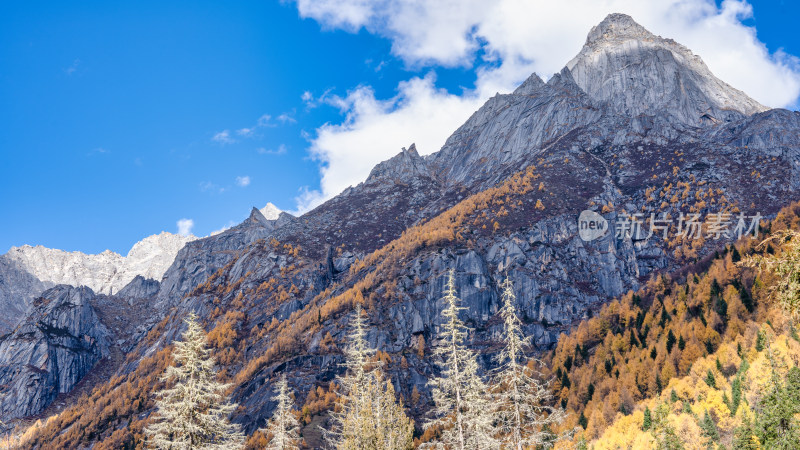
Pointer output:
x,y
50,351
656,348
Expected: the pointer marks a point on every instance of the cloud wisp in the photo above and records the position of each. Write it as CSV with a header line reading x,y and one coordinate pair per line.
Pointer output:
x,y
243,181
185,227
223,137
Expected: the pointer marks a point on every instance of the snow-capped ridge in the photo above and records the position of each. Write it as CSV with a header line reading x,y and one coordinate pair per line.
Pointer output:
x,y
270,211
106,272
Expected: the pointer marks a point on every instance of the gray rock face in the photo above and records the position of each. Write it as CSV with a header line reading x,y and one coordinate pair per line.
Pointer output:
x,y
636,72
17,290
199,259
56,345
404,165
140,287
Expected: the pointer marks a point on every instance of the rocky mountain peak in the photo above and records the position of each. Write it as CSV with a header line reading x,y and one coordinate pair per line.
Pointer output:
x,y
529,85
617,26
256,217
637,72
404,164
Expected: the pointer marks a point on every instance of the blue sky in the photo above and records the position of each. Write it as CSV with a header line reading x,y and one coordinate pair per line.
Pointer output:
x,y
121,118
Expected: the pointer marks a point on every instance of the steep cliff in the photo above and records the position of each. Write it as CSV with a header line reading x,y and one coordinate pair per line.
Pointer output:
x,y
50,351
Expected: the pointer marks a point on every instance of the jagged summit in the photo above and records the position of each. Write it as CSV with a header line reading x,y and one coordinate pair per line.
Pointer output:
x,y
405,164
529,85
105,272
637,72
618,26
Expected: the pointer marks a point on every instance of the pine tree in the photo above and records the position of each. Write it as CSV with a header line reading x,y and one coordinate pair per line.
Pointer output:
x,y
353,386
670,341
392,428
648,420
744,437
193,412
283,426
709,428
663,431
710,379
521,401
735,256
459,394
370,417
761,339
736,394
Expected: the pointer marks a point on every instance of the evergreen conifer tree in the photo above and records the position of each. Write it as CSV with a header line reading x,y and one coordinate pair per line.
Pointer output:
x,y
648,420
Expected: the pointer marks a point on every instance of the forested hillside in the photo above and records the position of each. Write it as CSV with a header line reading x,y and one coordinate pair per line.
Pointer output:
x,y
708,355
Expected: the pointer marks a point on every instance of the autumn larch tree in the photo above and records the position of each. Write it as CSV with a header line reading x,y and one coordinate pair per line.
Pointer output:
x,y
462,407
193,412
521,408
369,418
283,426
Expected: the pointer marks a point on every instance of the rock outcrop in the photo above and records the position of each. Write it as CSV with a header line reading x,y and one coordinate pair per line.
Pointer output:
x,y
47,354
200,258
18,287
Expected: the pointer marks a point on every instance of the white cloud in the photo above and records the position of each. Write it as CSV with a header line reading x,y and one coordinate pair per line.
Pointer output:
x,y
185,227
243,181
223,137
504,41
265,121
375,130
207,186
